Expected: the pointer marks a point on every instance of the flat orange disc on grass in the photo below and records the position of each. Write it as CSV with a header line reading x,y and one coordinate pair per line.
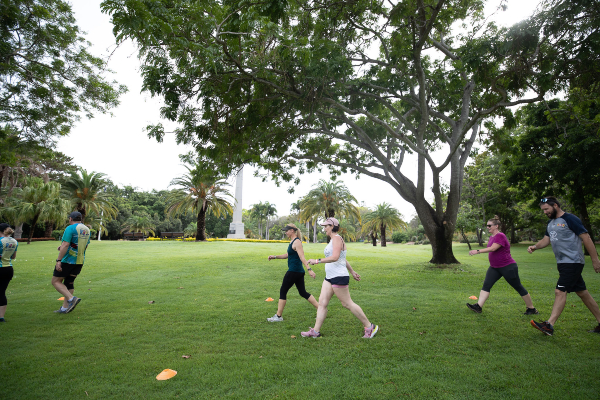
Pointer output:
x,y
61,298
166,374
269,299
473,297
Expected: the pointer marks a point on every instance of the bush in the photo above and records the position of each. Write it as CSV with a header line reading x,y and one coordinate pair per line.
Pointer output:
x,y
57,234
425,241
400,237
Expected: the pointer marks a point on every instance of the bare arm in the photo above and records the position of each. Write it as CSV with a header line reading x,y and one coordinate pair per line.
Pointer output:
x,y
493,247
352,272
300,250
539,245
280,257
591,249
62,251
335,254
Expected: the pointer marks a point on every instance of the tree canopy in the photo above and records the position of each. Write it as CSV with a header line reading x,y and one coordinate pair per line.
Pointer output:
x,y
48,77
354,86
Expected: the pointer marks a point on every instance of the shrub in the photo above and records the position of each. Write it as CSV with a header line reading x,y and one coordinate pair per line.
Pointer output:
x,y
57,234
400,237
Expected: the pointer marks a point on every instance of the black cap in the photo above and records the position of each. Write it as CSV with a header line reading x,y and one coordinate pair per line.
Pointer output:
x,y
3,226
75,216
289,227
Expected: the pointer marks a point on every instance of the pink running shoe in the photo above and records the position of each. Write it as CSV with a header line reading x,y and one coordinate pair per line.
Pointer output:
x,y
311,333
370,332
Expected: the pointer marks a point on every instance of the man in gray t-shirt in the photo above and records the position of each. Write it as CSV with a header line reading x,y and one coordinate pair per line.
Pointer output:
x,y
566,233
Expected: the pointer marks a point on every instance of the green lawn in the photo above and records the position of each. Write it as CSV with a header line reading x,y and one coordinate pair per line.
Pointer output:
x,y
210,304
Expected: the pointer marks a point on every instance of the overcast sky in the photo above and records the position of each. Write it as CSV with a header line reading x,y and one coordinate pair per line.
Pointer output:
x,y
117,146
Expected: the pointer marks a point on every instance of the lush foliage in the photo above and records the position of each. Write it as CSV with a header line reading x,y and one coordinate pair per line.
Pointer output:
x,y
384,217
295,84
49,78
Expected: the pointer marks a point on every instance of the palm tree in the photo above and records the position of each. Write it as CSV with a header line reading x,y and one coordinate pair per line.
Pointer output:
x,y
191,229
200,192
383,217
328,199
86,192
269,211
39,201
139,223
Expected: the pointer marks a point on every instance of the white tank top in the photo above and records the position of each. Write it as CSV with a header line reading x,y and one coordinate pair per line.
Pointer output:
x,y
337,268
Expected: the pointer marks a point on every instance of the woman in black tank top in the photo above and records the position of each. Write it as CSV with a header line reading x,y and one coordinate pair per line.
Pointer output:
x,y
295,273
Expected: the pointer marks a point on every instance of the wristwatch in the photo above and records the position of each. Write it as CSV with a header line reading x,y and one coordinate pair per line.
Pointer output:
x,y
309,269
58,260
319,261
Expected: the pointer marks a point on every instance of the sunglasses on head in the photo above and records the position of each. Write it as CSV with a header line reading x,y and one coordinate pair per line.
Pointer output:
x,y
544,200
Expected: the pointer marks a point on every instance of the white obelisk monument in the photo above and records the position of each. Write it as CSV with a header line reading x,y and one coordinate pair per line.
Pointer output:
x,y
236,228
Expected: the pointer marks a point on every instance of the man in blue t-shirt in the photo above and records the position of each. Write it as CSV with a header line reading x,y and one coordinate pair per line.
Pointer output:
x,y
71,255
566,233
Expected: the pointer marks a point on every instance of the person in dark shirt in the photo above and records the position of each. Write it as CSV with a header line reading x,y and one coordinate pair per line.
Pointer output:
x,y
295,272
566,233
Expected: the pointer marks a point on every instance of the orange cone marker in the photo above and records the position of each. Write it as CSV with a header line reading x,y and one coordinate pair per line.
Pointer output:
x,y
166,374
269,299
473,297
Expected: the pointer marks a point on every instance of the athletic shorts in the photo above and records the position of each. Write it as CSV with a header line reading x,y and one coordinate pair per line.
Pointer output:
x,y
67,269
339,281
570,279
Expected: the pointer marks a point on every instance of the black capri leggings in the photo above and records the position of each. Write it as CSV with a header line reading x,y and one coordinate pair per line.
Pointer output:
x,y
6,274
510,273
290,279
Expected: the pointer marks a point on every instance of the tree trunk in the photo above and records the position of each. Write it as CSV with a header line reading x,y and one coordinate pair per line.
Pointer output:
x,y
200,225
581,205
315,232
374,239
18,231
83,212
49,229
480,237
513,234
383,239
32,228
440,234
462,232
267,229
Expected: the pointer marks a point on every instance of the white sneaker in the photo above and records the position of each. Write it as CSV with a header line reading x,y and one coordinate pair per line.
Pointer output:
x,y
275,318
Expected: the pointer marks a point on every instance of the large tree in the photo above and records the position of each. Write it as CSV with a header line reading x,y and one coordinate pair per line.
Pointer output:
x,y
353,85
87,191
48,78
39,201
384,217
199,192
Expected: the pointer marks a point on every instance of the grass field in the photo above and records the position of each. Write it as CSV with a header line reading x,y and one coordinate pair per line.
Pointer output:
x,y
209,302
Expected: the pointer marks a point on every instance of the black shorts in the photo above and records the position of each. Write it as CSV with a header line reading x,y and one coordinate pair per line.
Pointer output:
x,y
570,279
338,281
67,269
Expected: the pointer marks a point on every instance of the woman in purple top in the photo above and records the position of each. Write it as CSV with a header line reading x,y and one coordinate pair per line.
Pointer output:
x,y
501,265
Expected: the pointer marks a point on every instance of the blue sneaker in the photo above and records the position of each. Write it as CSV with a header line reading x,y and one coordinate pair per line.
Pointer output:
x,y
73,303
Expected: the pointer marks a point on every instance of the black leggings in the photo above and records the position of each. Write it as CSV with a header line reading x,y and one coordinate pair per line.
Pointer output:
x,y
290,279
6,274
510,273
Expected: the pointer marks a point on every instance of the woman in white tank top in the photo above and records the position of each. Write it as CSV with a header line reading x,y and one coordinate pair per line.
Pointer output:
x,y
337,280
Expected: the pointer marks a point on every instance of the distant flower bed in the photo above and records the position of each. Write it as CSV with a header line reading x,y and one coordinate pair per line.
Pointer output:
x,y
221,240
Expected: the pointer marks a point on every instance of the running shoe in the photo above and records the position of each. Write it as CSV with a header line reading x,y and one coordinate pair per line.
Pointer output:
x,y
474,307
311,333
531,311
2,320
275,318
73,303
596,329
544,327
371,331
61,311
